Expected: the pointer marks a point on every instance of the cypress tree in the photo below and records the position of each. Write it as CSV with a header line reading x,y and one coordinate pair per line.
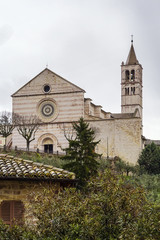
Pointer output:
x,y
80,154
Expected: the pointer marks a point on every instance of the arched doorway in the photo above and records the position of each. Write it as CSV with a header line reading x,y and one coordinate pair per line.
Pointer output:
x,y
48,145
47,139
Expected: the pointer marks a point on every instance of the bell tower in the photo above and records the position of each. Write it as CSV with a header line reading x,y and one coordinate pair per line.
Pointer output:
x,y
131,84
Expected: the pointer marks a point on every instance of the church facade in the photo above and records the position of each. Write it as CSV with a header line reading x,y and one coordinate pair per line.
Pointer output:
x,y
59,103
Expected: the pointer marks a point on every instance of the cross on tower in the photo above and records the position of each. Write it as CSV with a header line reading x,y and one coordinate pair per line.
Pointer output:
x,y
131,38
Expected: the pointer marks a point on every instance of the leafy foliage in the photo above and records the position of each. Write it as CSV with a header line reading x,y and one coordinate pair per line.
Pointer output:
x,y
16,233
125,167
151,185
110,209
149,160
81,155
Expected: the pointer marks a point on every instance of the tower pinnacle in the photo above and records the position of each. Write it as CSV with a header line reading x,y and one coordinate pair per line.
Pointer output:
x,y
131,39
132,60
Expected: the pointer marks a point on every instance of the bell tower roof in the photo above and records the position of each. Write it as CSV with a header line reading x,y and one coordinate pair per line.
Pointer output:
x,y
132,60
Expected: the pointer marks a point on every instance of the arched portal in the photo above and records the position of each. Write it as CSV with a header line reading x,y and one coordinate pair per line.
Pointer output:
x,y
47,143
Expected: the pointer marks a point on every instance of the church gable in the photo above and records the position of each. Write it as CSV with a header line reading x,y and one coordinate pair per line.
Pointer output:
x,y
47,82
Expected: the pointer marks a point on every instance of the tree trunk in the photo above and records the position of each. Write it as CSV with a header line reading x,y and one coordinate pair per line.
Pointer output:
x,y
28,145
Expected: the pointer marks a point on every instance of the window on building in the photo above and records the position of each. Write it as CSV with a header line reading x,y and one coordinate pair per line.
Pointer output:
x,y
126,91
127,75
12,211
133,90
46,88
132,75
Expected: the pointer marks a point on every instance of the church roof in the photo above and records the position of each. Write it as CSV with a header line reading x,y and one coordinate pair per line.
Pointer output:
x,y
48,70
20,169
132,60
135,114
149,141
122,115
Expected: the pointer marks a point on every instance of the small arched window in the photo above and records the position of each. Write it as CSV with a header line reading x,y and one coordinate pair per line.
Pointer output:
x,y
127,75
12,211
126,91
133,90
132,75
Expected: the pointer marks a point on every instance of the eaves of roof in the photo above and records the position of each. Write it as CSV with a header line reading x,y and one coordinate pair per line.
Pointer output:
x,y
20,169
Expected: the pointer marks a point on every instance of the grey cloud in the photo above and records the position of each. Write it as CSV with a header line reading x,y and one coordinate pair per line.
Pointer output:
x,y
85,42
6,32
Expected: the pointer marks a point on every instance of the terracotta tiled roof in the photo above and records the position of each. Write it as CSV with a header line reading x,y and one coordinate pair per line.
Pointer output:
x,y
18,168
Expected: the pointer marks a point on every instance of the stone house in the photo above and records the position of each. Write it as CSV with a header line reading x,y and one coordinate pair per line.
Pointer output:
x,y
19,178
59,103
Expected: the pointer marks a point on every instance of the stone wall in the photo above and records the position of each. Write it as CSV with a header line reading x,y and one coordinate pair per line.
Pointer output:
x,y
69,106
122,137
19,190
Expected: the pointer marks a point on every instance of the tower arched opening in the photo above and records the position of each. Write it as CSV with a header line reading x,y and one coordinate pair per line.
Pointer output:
x,y
132,75
127,75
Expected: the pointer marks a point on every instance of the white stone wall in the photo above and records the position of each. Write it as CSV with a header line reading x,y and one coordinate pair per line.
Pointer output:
x,y
124,135
57,83
124,138
70,105
54,131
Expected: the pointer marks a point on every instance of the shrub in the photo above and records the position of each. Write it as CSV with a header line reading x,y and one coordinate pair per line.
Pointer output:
x,y
110,209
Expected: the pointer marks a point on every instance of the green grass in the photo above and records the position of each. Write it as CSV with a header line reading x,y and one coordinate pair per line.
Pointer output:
x,y
47,159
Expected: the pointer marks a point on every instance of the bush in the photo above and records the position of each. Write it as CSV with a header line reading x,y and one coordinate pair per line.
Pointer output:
x,y
110,209
16,233
151,185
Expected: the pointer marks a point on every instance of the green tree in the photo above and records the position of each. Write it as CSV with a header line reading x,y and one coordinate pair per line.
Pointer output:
x,y
80,155
111,209
125,167
149,160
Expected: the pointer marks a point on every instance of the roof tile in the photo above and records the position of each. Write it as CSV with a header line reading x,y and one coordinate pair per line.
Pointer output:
x,y
19,168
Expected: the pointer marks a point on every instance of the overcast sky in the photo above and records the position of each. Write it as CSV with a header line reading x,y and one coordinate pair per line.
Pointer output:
x,y
85,42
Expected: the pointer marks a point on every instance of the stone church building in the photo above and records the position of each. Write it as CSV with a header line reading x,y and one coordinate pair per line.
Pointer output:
x,y
59,103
